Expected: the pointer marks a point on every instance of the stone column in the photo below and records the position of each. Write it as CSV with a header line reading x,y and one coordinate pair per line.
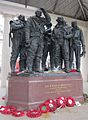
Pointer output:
x,y
6,50
84,61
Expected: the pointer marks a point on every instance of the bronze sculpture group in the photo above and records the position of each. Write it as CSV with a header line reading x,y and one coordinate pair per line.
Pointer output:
x,y
34,38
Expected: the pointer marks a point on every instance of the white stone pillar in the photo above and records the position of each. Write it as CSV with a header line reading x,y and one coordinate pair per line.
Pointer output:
x,y
87,52
84,61
6,50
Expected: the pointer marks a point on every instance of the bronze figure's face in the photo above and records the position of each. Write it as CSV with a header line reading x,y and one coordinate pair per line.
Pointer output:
x,y
38,13
21,17
74,24
60,20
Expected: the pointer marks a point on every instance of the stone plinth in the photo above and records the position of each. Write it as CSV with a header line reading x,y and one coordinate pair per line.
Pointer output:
x,y
29,92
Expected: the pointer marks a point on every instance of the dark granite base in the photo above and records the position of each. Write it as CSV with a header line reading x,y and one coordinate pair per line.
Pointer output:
x,y
29,92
